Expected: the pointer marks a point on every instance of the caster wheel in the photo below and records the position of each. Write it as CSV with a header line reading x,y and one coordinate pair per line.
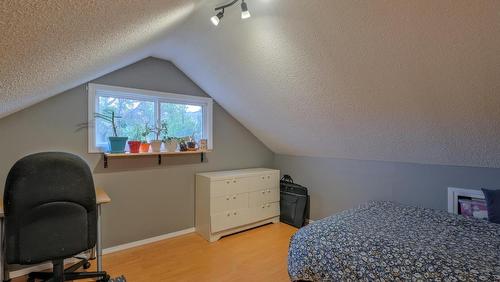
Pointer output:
x,y
86,265
105,279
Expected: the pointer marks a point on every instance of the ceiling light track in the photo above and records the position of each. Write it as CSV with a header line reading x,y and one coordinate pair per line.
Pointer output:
x,y
245,14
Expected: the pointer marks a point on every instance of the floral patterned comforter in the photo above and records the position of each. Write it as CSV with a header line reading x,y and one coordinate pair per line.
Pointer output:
x,y
384,241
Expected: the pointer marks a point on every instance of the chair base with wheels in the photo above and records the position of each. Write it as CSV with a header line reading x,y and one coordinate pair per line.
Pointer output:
x,y
60,274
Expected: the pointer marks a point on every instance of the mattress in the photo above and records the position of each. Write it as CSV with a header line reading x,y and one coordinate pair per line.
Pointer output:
x,y
386,241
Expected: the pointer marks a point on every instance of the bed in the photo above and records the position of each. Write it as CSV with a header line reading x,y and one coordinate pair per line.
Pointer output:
x,y
386,241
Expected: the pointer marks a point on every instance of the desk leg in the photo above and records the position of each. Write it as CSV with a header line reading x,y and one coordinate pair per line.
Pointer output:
x,y
99,239
92,253
4,273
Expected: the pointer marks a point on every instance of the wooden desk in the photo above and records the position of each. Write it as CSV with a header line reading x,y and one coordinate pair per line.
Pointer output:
x,y
101,198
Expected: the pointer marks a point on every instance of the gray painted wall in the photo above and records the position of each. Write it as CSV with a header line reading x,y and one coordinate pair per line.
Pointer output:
x,y
338,184
147,199
150,200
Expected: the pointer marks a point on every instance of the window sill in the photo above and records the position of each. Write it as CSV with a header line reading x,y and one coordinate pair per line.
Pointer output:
x,y
159,154
127,154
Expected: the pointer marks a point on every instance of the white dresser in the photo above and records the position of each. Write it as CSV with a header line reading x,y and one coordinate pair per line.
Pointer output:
x,y
235,200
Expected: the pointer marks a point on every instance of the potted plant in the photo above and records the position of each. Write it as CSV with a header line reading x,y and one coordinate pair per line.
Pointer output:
x,y
191,144
144,143
171,144
135,144
116,143
183,143
144,146
158,130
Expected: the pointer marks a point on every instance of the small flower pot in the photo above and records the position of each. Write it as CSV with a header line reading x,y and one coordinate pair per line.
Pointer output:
x,y
171,146
134,146
191,146
156,145
117,144
183,147
144,147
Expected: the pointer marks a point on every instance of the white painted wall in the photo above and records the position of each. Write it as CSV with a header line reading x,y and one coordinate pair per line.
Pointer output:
x,y
409,81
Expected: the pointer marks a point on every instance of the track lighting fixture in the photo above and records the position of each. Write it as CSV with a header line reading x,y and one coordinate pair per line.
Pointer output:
x,y
245,14
216,19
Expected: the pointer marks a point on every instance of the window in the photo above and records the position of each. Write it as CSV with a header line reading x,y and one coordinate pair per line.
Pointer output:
x,y
185,115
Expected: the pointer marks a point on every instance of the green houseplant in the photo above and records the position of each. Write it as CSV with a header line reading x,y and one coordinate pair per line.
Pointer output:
x,y
144,142
191,144
116,143
183,143
158,130
135,143
171,144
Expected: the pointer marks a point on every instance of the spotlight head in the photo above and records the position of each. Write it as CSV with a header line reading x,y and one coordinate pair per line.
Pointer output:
x,y
245,14
216,19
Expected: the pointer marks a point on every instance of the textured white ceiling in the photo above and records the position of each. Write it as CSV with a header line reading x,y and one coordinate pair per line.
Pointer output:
x,y
411,81
47,47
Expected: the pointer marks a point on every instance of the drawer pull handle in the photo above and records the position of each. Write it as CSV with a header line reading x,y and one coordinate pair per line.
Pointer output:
x,y
263,177
263,192
234,213
227,182
227,198
234,197
268,177
228,214
268,191
234,181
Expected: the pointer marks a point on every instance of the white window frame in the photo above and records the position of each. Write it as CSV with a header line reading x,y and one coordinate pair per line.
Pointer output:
x,y
455,193
148,95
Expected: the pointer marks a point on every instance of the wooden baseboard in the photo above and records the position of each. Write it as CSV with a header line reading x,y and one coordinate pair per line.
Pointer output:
x,y
48,265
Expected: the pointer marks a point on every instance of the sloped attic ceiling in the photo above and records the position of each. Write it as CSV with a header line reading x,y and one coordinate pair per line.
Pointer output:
x,y
410,81
47,47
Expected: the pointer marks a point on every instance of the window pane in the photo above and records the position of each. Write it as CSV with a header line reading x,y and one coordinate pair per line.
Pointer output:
x,y
183,119
134,116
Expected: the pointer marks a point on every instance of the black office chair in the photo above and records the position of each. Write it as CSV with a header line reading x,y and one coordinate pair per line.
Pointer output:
x,y
51,214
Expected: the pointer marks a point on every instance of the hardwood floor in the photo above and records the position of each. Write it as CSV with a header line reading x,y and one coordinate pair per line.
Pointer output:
x,y
259,254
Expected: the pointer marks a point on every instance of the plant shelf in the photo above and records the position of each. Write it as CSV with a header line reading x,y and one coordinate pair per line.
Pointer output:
x,y
159,154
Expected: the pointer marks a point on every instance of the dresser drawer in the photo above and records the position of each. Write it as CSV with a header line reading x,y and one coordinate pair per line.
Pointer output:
x,y
229,202
228,219
263,196
219,188
264,181
230,186
264,211
247,183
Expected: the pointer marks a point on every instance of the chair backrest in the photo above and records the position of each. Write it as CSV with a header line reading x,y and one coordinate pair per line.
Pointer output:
x,y
50,208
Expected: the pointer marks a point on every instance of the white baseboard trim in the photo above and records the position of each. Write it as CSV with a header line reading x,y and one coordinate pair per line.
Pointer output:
x,y
48,265
147,241
35,268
